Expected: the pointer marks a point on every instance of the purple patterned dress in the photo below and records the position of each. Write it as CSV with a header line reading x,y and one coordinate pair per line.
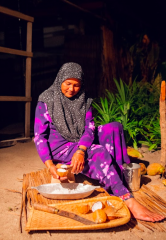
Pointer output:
x,y
103,161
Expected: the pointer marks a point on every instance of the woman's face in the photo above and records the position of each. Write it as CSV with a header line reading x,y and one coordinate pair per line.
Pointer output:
x,y
70,87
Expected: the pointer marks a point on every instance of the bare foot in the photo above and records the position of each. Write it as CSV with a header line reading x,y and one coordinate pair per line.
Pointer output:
x,y
141,212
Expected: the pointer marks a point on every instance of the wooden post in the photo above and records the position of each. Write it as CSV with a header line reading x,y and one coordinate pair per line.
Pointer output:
x,y
108,59
163,123
28,80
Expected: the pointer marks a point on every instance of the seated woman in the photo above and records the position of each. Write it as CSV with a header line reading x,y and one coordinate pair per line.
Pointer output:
x,y
64,133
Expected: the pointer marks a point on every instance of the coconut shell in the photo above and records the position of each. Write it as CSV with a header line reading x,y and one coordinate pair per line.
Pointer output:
x,y
164,182
62,172
99,216
110,212
155,169
143,168
63,166
133,153
97,205
83,208
108,203
116,208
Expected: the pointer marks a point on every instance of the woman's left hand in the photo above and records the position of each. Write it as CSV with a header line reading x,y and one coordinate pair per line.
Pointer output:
x,y
77,162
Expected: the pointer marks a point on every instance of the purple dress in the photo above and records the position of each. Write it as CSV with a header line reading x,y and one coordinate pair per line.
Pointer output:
x,y
103,161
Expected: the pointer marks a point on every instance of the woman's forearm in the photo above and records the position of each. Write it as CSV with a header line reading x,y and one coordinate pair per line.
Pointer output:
x,y
48,163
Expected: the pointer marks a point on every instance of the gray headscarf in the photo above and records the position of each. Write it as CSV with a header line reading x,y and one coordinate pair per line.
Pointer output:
x,y
67,114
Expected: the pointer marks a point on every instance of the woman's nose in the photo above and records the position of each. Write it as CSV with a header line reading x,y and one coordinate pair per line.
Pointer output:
x,y
71,88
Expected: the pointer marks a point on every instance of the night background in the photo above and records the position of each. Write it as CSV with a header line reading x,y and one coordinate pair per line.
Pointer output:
x,y
110,39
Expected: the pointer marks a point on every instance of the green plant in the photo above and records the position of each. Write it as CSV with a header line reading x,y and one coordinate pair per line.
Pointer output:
x,y
153,134
106,111
136,108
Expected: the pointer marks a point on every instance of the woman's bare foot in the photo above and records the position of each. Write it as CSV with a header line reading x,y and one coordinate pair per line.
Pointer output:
x,y
140,212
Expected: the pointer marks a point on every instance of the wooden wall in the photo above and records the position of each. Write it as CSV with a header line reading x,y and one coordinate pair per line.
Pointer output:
x,y
116,62
86,50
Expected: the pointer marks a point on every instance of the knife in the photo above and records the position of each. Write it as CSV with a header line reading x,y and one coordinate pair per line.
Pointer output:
x,y
53,210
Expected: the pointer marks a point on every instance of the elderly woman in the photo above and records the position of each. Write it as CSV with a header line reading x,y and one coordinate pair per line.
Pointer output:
x,y
64,133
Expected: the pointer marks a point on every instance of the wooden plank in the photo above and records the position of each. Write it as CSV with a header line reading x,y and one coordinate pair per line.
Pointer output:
x,y
12,142
8,143
15,99
163,123
16,14
16,52
84,10
27,119
28,80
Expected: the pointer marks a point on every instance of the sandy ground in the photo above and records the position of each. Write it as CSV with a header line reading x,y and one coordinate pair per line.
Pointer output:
x,y
23,158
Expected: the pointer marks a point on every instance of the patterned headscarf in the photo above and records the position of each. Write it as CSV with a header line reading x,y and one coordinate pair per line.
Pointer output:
x,y
67,114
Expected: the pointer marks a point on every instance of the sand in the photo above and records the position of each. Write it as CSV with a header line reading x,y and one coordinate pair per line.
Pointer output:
x,y
23,158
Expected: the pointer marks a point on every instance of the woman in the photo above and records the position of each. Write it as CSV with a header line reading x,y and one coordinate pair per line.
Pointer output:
x,y
64,133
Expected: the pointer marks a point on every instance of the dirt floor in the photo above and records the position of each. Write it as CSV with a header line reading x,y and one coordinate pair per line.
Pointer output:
x,y
23,158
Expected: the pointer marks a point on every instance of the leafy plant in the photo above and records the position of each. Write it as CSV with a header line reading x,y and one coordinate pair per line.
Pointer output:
x,y
106,111
136,108
153,134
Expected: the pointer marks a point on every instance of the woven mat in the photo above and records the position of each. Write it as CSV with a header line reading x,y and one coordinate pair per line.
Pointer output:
x,y
154,203
39,220
30,196
144,196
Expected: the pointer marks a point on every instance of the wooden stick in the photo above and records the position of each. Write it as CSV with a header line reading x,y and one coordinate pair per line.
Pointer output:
x,y
15,99
16,52
163,123
134,226
23,200
11,190
145,225
28,80
16,14
149,191
151,205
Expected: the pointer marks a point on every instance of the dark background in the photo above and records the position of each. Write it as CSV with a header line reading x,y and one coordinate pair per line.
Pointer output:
x,y
63,33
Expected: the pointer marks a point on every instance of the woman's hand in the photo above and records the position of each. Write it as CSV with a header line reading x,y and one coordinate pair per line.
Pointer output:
x,y
53,170
77,162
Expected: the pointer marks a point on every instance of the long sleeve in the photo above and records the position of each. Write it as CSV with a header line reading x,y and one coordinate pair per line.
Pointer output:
x,y
49,143
41,130
88,135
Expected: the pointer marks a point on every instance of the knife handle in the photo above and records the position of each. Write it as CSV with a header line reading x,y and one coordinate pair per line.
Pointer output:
x,y
45,208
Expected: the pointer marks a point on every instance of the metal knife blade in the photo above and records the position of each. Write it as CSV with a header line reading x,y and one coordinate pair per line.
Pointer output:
x,y
75,217
49,209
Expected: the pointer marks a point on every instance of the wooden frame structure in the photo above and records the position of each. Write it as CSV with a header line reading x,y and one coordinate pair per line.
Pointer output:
x,y
163,123
28,54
